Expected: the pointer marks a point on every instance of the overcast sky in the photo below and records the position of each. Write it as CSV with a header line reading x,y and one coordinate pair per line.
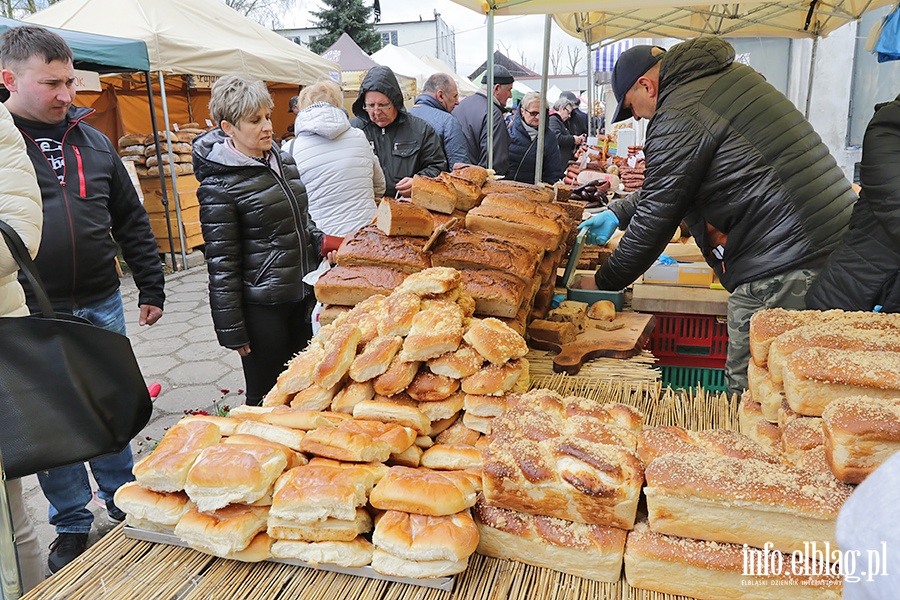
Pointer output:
x,y
524,34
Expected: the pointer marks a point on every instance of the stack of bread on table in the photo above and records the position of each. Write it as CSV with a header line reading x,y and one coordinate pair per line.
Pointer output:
x,y
825,389
141,148
716,500
507,238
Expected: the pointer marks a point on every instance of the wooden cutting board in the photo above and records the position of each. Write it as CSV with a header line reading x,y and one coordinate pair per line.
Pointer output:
x,y
595,343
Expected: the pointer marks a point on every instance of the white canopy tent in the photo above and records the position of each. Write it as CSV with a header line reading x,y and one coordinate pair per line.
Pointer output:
x,y
404,62
200,37
466,87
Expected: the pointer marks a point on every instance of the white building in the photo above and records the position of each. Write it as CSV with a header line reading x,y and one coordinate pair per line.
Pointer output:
x,y
432,37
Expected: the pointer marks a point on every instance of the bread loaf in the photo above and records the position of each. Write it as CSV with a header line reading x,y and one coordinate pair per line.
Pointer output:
x,y
233,473
435,331
468,193
755,426
463,249
860,433
375,358
440,283
371,247
655,442
457,364
349,286
314,492
164,509
132,139
396,217
495,341
589,551
424,492
537,193
355,553
223,532
474,173
544,231
496,293
323,530
725,499
359,441
716,571
551,331
813,377
352,394
409,545
433,194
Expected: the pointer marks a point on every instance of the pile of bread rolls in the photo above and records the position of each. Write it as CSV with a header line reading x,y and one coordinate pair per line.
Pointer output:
x,y
507,238
825,388
141,149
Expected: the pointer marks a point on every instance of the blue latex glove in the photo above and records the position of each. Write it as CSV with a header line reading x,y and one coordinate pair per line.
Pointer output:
x,y
665,259
600,228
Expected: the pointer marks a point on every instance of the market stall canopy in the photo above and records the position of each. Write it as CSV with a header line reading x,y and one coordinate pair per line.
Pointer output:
x,y
200,37
466,87
684,19
403,62
99,53
349,55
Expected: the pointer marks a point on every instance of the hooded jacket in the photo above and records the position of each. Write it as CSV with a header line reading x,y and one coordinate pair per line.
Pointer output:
x,y
260,240
523,154
20,208
472,115
77,257
865,269
731,156
408,146
446,125
341,173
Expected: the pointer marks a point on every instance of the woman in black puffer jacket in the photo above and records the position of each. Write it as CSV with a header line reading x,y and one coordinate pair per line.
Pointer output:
x,y
523,132
864,271
260,240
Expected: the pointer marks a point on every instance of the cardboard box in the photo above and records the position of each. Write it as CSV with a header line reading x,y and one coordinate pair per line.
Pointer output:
x,y
689,274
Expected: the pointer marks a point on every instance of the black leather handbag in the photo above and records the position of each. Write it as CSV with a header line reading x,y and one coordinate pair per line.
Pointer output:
x,y
69,391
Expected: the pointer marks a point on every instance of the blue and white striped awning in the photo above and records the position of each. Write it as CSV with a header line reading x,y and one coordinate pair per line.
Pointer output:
x,y
605,58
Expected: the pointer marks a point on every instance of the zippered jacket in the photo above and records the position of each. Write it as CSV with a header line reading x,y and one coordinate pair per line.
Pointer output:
x,y
446,125
408,146
523,154
77,256
731,156
864,271
260,239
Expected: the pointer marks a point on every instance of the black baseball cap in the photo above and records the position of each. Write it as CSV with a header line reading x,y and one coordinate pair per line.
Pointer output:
x,y
631,65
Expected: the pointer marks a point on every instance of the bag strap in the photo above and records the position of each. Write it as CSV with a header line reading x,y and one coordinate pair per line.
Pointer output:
x,y
26,265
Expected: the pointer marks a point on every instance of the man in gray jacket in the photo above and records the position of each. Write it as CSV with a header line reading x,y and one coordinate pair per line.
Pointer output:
x,y
732,157
472,115
439,97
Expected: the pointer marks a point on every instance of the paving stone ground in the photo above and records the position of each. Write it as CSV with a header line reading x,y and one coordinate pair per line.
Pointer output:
x,y
181,353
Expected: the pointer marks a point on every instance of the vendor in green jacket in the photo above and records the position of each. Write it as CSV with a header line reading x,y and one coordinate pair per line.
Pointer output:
x,y
404,144
731,156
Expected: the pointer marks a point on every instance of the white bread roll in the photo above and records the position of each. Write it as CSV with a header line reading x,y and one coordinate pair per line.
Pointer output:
x,y
755,426
440,411
315,492
233,473
166,469
226,425
399,310
495,380
275,433
350,395
724,499
324,530
589,551
398,376
375,358
356,553
411,457
435,331
444,457
161,508
305,420
387,411
424,492
298,376
496,341
340,350
426,538
714,571
359,441
225,531
457,364
294,458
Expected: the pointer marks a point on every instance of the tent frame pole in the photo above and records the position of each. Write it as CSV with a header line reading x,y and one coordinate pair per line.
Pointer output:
x,y
490,90
812,72
590,90
172,173
542,123
162,176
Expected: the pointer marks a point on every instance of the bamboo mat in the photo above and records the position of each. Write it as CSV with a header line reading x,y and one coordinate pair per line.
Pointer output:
x,y
636,368
119,568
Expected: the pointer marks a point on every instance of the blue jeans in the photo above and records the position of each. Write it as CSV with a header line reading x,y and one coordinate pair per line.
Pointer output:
x,y
68,489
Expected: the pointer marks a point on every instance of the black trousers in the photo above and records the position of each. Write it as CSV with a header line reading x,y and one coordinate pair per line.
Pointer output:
x,y
277,332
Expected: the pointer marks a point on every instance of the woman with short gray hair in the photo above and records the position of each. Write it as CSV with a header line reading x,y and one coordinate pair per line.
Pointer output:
x,y
260,239
523,133
568,143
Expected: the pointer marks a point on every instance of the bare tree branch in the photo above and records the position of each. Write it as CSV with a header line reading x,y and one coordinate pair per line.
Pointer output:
x,y
574,58
556,58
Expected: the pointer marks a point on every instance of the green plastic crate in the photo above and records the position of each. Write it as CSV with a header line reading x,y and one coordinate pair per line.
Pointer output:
x,y
690,377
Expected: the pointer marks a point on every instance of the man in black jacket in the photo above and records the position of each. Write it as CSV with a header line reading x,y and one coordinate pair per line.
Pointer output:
x,y
864,272
404,144
472,115
732,157
87,195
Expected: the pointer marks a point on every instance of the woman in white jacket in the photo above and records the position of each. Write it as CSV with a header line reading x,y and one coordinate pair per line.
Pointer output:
x,y
341,173
20,208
